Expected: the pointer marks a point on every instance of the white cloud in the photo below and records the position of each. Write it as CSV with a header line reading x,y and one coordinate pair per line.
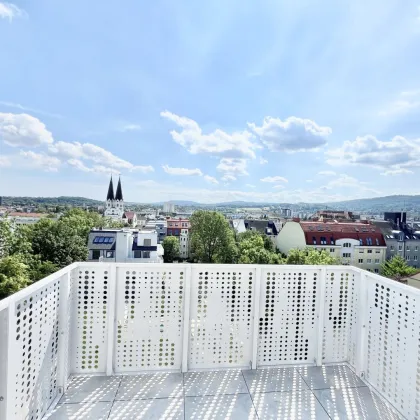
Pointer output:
x,y
405,102
10,11
232,168
249,185
181,171
129,127
278,187
395,154
274,179
41,161
23,130
399,171
211,179
292,135
78,164
327,173
217,143
263,161
28,109
99,155
4,162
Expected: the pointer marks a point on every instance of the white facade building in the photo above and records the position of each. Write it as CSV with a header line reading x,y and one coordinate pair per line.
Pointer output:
x,y
125,245
184,244
168,207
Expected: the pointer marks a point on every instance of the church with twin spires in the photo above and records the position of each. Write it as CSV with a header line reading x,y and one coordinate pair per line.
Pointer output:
x,y
114,206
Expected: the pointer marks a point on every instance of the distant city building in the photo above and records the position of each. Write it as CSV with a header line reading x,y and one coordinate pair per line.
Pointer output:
x,y
325,215
402,237
359,244
114,205
19,218
286,212
124,245
180,228
160,226
238,225
130,217
168,207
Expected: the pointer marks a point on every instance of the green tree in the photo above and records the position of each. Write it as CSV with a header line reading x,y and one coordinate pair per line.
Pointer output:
x,y
171,247
13,275
252,251
310,256
397,268
6,237
212,240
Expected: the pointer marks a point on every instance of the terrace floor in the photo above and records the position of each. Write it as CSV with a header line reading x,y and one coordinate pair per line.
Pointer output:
x,y
276,393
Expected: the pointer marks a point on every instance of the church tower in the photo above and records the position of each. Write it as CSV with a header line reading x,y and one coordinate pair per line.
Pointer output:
x,y
114,206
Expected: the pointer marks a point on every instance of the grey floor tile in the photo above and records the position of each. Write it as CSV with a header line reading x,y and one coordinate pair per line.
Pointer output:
x,y
155,409
296,405
274,379
154,385
214,383
91,389
234,407
322,377
85,411
355,403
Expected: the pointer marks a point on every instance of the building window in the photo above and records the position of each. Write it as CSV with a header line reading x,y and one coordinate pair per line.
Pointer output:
x,y
369,261
110,254
332,250
137,254
399,247
347,245
407,257
147,242
415,258
368,241
346,255
360,260
146,254
361,242
416,248
369,251
377,261
361,251
376,270
332,240
392,247
96,253
407,248
377,251
314,240
323,240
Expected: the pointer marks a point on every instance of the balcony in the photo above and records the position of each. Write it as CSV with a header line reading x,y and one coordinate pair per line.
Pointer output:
x,y
131,341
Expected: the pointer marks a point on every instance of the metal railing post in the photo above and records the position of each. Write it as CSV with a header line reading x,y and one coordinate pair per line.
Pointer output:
x,y
255,327
321,316
63,336
12,366
362,323
112,303
186,319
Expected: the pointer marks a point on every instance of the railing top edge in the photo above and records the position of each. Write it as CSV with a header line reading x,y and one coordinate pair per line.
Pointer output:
x,y
35,286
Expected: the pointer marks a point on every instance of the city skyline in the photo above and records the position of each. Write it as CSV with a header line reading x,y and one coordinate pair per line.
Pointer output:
x,y
217,102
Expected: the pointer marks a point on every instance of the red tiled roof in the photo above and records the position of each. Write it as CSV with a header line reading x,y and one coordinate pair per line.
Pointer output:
x,y
341,231
129,214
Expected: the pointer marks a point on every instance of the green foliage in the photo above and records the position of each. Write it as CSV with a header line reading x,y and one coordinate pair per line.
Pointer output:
x,y
13,275
5,237
212,240
397,268
252,250
310,256
171,247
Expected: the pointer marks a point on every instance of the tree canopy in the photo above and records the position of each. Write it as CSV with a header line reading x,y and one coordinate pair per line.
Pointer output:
x,y
171,248
397,268
310,256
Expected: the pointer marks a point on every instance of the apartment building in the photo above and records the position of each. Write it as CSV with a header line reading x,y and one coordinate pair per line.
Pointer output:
x,y
180,228
124,245
358,244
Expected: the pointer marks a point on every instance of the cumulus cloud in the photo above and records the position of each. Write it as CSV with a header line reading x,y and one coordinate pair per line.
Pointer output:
x,y
326,173
395,154
41,160
23,130
274,179
217,143
292,135
263,161
10,11
211,179
232,168
181,171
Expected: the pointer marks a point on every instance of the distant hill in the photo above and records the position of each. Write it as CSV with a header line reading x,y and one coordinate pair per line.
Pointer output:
x,y
377,204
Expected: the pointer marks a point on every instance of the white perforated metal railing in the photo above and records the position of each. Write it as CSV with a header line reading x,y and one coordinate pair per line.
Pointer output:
x,y
110,318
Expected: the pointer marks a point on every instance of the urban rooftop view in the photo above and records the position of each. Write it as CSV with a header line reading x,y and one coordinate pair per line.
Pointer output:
x,y
210,210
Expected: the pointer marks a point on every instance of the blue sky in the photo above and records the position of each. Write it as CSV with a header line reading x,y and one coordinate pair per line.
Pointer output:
x,y
266,100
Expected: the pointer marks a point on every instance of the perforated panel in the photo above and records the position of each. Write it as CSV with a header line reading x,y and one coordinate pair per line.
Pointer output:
x,y
393,344
149,313
35,358
221,316
3,361
340,315
288,316
90,303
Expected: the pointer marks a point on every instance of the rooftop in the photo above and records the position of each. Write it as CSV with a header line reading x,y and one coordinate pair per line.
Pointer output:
x,y
195,341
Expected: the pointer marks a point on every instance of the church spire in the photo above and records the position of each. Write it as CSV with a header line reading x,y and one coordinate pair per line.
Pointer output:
x,y
110,195
118,194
